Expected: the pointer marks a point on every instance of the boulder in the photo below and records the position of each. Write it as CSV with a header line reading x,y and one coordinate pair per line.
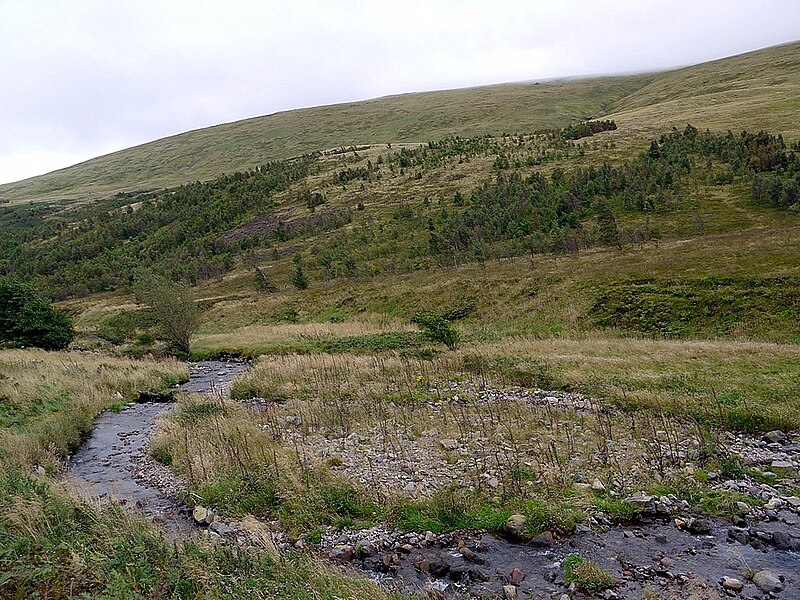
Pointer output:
x,y
775,437
516,526
767,581
598,486
510,592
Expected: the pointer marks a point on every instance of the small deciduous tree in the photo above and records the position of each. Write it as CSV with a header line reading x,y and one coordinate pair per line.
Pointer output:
x,y
437,329
28,319
174,310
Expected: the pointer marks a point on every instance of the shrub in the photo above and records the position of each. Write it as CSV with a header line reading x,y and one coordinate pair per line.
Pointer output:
x,y
437,329
28,319
172,307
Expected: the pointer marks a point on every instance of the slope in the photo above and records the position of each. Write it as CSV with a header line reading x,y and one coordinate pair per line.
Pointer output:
x,y
760,89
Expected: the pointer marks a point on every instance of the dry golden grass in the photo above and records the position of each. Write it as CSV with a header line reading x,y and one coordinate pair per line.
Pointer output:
x,y
48,400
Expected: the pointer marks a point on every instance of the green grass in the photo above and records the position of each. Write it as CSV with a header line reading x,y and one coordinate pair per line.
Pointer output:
x,y
450,510
52,546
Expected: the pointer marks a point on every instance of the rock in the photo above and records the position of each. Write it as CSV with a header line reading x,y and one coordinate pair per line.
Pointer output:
x,y
459,572
493,482
221,528
517,576
342,552
544,540
773,504
439,568
510,592
743,506
40,470
199,514
731,583
448,444
793,501
782,540
781,464
516,526
598,486
610,595
410,487
767,581
641,502
699,526
470,556
775,437
155,397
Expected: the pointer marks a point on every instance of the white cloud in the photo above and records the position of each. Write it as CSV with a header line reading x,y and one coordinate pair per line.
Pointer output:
x,y
81,77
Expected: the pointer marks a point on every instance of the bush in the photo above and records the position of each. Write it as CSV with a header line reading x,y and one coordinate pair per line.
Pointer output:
x,y
28,319
172,308
437,329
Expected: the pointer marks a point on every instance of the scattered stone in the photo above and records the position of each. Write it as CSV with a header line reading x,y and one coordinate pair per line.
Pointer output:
x,y
767,581
598,486
221,528
544,540
517,576
775,437
510,592
448,444
731,583
199,514
516,526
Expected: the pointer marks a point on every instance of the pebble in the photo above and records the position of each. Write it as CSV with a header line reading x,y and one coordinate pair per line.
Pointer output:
x,y
731,583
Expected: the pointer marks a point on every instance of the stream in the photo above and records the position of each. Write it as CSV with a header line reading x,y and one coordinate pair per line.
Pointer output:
x,y
114,463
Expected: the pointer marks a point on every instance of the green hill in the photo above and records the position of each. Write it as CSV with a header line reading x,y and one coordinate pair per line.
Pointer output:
x,y
757,90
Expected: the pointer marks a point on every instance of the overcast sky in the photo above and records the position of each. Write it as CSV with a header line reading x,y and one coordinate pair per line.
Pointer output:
x,y
81,78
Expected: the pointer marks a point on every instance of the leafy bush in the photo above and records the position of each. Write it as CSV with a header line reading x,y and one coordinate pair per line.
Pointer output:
x,y
172,307
437,329
28,319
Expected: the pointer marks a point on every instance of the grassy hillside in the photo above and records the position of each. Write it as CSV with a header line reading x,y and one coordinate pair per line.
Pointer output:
x,y
757,90
651,266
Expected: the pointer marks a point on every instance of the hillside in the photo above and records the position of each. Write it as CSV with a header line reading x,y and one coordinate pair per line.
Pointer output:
x,y
758,89
436,316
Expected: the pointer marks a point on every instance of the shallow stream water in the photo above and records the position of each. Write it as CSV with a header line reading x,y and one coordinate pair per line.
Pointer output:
x,y
114,463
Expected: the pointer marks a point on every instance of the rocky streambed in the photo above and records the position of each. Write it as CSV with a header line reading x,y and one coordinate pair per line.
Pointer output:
x,y
665,552
114,463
